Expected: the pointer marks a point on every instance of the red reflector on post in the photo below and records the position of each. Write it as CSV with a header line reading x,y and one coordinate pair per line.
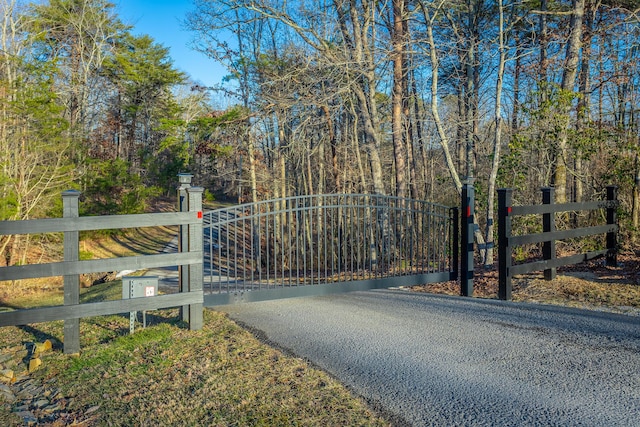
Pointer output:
x,y
468,211
509,210
200,215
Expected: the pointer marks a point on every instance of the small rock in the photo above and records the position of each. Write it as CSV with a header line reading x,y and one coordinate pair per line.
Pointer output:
x,y
11,364
27,417
6,394
26,386
49,409
21,354
40,403
28,389
92,409
34,364
14,349
7,376
22,376
24,395
42,348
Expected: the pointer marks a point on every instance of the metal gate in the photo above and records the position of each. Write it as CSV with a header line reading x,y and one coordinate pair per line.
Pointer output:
x,y
321,244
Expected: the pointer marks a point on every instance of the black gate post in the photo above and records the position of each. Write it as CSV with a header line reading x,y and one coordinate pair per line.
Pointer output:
x,y
549,225
612,219
466,243
504,250
454,244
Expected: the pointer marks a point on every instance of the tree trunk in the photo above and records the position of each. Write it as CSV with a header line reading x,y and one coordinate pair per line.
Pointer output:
x,y
516,87
583,101
397,95
371,144
253,181
568,81
497,141
417,126
435,66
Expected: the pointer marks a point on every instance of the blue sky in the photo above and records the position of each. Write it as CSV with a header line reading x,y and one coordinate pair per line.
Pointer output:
x,y
162,20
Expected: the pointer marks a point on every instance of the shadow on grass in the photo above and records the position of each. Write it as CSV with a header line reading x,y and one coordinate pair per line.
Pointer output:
x,y
99,329
145,243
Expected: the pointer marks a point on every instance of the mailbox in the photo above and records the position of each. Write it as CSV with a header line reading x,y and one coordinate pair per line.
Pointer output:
x,y
138,287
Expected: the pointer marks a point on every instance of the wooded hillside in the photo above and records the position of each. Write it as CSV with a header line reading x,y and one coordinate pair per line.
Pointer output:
x,y
398,97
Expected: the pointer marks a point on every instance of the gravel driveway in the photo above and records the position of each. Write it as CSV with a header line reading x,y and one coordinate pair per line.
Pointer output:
x,y
426,359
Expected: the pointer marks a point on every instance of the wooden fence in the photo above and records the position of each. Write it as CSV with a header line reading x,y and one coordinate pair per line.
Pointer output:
x,y
189,259
549,263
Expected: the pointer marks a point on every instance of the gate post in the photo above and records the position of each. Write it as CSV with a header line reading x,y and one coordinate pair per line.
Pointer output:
x,y
612,219
504,250
183,239
71,327
454,246
195,237
466,243
549,225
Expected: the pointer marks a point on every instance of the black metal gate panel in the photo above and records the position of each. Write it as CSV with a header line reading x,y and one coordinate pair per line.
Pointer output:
x,y
321,244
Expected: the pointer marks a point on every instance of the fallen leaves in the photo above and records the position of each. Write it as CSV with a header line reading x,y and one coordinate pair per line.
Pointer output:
x,y
587,285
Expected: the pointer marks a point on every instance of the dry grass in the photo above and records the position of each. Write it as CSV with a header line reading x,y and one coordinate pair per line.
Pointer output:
x,y
49,290
168,375
591,285
579,291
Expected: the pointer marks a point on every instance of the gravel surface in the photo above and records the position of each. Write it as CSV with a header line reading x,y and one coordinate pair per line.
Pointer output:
x,y
440,360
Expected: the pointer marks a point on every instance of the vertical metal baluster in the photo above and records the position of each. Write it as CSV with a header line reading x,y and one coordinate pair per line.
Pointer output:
x,y
303,223
282,241
211,253
267,228
397,233
252,253
259,243
234,237
298,230
276,212
333,242
318,239
324,244
246,242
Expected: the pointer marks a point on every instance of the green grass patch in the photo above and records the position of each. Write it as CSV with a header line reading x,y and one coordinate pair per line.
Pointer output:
x,y
108,291
168,375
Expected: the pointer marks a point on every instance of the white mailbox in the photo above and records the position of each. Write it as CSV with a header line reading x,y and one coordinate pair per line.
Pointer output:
x,y
138,287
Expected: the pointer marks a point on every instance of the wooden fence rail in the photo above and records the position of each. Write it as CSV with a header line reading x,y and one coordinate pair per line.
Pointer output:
x,y
189,259
549,263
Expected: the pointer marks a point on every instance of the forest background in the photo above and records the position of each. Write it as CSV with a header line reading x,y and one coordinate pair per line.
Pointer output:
x,y
400,97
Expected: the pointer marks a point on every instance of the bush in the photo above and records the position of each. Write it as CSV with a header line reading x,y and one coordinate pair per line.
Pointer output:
x,y
110,189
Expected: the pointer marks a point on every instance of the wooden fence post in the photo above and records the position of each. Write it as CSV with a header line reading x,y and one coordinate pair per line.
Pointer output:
x,y
504,249
612,219
183,238
196,244
467,224
549,225
71,281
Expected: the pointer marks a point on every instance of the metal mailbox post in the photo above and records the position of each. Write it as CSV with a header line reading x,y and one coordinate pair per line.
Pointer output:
x,y
138,287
